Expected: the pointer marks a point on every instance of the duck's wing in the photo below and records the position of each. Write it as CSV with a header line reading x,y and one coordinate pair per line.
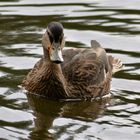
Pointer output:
x,y
90,66
87,66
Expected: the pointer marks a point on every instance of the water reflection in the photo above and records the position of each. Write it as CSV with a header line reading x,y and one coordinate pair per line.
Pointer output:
x,y
46,111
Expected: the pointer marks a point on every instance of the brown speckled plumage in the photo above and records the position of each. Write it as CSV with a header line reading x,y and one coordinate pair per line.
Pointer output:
x,y
85,73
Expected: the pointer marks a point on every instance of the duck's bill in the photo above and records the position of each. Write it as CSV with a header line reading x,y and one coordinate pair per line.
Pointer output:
x,y
56,55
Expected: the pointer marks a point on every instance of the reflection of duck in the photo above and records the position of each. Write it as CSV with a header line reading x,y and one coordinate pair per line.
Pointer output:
x,y
85,73
47,111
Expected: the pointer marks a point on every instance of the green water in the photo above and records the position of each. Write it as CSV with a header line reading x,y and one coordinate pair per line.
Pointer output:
x,y
115,24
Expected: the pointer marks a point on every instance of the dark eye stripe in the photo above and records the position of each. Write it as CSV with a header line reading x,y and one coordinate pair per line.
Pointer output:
x,y
50,37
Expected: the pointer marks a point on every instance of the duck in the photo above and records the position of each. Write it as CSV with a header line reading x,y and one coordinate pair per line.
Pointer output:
x,y
74,73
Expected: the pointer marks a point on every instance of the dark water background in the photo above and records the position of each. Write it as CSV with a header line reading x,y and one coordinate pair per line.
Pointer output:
x,y
115,24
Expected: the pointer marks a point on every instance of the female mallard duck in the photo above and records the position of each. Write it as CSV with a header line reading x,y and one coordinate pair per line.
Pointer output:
x,y
84,74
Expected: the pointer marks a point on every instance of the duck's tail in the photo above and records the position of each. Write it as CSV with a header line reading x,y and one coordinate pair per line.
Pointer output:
x,y
115,63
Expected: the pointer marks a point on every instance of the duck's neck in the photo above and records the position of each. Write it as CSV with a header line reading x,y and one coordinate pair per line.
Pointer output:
x,y
55,75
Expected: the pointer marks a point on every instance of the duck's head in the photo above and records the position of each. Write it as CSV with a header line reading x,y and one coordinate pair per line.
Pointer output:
x,y
53,42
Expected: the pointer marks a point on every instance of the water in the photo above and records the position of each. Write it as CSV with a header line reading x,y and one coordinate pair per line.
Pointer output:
x,y
115,24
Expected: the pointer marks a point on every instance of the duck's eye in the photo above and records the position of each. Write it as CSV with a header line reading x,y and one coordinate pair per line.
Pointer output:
x,y
50,37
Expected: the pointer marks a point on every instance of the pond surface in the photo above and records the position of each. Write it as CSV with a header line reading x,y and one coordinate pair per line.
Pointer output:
x,y
115,24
